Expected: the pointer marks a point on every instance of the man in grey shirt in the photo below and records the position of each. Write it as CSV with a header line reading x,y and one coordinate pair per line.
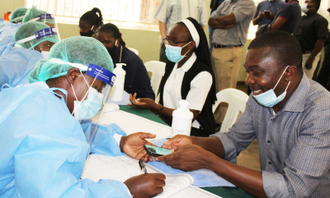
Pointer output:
x,y
231,23
289,116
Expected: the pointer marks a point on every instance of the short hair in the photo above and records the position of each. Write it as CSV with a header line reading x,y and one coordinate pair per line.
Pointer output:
x,y
284,47
112,29
93,17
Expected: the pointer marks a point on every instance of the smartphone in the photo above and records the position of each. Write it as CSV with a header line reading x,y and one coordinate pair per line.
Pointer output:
x,y
156,151
266,11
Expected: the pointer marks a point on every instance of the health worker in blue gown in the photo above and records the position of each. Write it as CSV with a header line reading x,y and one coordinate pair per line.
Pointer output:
x,y
8,30
43,145
33,41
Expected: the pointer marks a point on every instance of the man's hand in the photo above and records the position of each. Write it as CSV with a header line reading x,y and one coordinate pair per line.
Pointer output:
x,y
142,103
261,15
146,185
132,145
188,157
309,63
178,140
269,15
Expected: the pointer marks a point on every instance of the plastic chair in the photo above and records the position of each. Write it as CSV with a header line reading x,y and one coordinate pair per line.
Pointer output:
x,y
236,100
156,70
134,50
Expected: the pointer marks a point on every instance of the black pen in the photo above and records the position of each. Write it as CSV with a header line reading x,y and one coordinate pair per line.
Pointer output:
x,y
143,166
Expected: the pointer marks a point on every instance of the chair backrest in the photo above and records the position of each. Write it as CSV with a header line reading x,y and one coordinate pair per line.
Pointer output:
x,y
236,100
156,70
133,50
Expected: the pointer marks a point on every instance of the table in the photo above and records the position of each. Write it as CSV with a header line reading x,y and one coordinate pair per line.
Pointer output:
x,y
226,192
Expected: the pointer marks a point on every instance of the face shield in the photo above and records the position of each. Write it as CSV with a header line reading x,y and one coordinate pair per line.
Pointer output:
x,y
49,20
93,101
38,37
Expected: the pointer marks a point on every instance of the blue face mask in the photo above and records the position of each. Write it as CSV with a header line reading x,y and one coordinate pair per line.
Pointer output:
x,y
269,98
173,53
88,108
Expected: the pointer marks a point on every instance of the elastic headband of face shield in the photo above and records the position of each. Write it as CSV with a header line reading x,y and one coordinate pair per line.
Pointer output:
x,y
92,70
43,18
18,19
39,35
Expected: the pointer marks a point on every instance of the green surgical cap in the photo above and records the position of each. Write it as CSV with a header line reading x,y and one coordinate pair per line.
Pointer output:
x,y
18,14
33,13
28,29
79,49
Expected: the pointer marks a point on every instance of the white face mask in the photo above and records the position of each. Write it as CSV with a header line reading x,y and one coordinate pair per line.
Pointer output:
x,y
88,108
304,8
269,98
45,54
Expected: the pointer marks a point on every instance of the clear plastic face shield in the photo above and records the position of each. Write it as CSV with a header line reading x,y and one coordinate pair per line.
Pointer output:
x,y
48,32
93,101
45,18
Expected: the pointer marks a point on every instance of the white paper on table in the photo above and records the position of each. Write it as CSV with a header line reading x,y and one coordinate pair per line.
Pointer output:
x,y
123,167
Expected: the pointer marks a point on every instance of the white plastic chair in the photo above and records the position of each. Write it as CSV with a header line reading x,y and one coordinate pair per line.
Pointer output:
x,y
134,50
157,70
236,100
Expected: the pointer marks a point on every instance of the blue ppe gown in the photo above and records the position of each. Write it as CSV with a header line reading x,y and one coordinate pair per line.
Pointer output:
x,y
16,64
8,31
43,147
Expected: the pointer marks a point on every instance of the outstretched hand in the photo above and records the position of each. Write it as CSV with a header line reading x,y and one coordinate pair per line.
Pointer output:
x,y
142,103
132,145
146,185
188,157
178,140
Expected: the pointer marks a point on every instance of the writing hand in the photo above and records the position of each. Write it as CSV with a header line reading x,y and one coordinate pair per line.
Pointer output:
x,y
146,185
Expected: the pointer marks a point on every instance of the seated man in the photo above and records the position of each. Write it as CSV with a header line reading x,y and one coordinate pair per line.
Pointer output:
x,y
44,154
289,116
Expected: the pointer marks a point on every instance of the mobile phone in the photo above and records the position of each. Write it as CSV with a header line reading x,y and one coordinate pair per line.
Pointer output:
x,y
266,11
156,151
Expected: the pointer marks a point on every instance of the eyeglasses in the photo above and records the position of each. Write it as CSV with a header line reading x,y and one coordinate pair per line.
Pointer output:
x,y
170,42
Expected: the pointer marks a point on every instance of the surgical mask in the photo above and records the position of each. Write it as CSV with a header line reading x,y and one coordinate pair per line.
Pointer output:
x,y
112,51
173,53
304,8
269,98
89,33
88,108
45,54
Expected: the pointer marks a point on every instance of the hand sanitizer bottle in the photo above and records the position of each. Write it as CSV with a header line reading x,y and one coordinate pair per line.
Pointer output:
x,y
182,119
117,90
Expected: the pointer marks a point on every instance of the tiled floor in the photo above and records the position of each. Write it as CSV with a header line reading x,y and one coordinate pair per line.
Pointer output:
x,y
249,158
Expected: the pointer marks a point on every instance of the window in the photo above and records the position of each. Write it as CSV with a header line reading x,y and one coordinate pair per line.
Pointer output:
x,y
130,13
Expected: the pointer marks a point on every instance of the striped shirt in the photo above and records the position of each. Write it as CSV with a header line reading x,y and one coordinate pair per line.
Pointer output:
x,y
294,144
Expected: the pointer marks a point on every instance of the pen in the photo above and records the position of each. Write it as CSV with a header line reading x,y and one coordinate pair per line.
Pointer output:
x,y
143,166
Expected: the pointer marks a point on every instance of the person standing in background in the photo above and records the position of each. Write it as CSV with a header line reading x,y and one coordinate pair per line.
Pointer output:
x,y
288,17
266,11
90,23
324,74
311,32
170,12
213,6
231,22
